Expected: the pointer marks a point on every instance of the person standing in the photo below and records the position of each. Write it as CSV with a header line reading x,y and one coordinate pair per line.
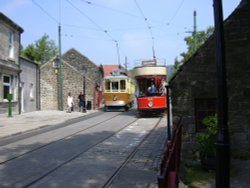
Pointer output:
x,y
70,103
81,102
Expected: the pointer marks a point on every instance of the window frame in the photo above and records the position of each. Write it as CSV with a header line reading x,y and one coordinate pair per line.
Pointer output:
x,y
203,107
11,42
6,84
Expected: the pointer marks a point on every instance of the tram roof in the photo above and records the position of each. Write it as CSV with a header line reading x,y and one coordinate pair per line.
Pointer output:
x,y
150,63
114,77
150,71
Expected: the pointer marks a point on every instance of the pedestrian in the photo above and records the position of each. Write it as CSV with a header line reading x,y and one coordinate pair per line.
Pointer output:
x,y
152,89
81,99
70,103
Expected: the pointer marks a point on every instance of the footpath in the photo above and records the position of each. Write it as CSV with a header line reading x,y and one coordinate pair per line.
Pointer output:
x,y
20,123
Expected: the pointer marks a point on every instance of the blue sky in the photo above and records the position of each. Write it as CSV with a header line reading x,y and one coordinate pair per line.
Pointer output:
x,y
96,27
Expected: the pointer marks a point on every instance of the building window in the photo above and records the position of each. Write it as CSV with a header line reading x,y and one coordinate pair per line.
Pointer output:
x,y
6,86
11,45
203,108
31,91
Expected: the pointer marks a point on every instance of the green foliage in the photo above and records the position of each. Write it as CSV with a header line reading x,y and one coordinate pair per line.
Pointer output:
x,y
42,51
193,44
195,176
206,140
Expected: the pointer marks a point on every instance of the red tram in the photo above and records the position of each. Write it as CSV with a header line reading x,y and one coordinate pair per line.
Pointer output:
x,y
150,76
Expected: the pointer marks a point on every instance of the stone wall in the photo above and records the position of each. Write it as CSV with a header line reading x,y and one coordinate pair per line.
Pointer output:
x,y
29,83
73,80
197,79
48,87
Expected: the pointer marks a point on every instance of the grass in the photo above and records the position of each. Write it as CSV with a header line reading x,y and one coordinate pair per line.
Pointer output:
x,y
196,177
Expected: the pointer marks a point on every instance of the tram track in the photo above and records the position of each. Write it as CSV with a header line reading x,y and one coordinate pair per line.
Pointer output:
x,y
46,128
103,146
115,172
63,138
73,157
130,156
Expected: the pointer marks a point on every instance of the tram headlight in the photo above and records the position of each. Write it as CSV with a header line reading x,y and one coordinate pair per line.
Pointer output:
x,y
114,98
150,104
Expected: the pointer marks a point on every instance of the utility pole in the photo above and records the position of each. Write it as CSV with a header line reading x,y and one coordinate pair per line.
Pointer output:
x,y
118,54
61,99
126,63
194,33
222,141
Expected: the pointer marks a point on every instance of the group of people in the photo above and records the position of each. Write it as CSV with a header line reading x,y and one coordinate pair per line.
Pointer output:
x,y
81,103
161,89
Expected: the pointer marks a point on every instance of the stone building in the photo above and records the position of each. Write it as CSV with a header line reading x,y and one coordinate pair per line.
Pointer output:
x,y
194,88
29,85
78,72
10,36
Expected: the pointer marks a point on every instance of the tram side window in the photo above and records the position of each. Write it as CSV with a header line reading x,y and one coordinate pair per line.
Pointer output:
x,y
107,85
123,84
114,85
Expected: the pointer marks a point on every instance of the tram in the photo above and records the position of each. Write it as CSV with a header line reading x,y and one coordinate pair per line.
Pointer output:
x,y
119,91
150,76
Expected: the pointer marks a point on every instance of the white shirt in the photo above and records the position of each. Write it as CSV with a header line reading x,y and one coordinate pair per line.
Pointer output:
x,y
70,101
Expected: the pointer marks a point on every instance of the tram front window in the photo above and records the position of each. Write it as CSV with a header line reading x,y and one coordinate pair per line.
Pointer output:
x,y
114,86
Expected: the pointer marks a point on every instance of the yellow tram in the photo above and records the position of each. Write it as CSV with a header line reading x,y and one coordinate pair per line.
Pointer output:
x,y
119,91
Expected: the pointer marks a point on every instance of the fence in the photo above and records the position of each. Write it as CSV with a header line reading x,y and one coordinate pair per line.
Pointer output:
x,y
170,164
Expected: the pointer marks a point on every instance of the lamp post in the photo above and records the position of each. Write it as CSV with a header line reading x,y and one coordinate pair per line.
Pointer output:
x,y
168,111
84,70
222,140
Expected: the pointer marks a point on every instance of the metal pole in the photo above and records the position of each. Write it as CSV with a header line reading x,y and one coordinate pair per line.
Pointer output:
x,y
194,33
61,100
222,140
84,93
118,54
168,112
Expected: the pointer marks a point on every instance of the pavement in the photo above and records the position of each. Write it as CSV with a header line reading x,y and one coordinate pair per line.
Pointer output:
x,y
20,123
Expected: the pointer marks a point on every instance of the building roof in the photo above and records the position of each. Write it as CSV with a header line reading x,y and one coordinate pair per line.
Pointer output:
x,y
11,23
108,69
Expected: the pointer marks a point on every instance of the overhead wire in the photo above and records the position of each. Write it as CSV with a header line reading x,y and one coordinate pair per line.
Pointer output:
x,y
176,12
109,8
42,9
99,27
148,26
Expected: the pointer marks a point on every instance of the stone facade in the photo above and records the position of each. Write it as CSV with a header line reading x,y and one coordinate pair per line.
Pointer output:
x,y
29,85
10,34
73,76
197,79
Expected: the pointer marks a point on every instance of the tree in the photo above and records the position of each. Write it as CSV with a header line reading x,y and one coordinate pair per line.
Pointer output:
x,y
42,51
194,44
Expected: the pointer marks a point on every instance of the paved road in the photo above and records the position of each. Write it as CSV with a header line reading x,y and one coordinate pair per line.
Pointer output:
x,y
39,119
88,167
